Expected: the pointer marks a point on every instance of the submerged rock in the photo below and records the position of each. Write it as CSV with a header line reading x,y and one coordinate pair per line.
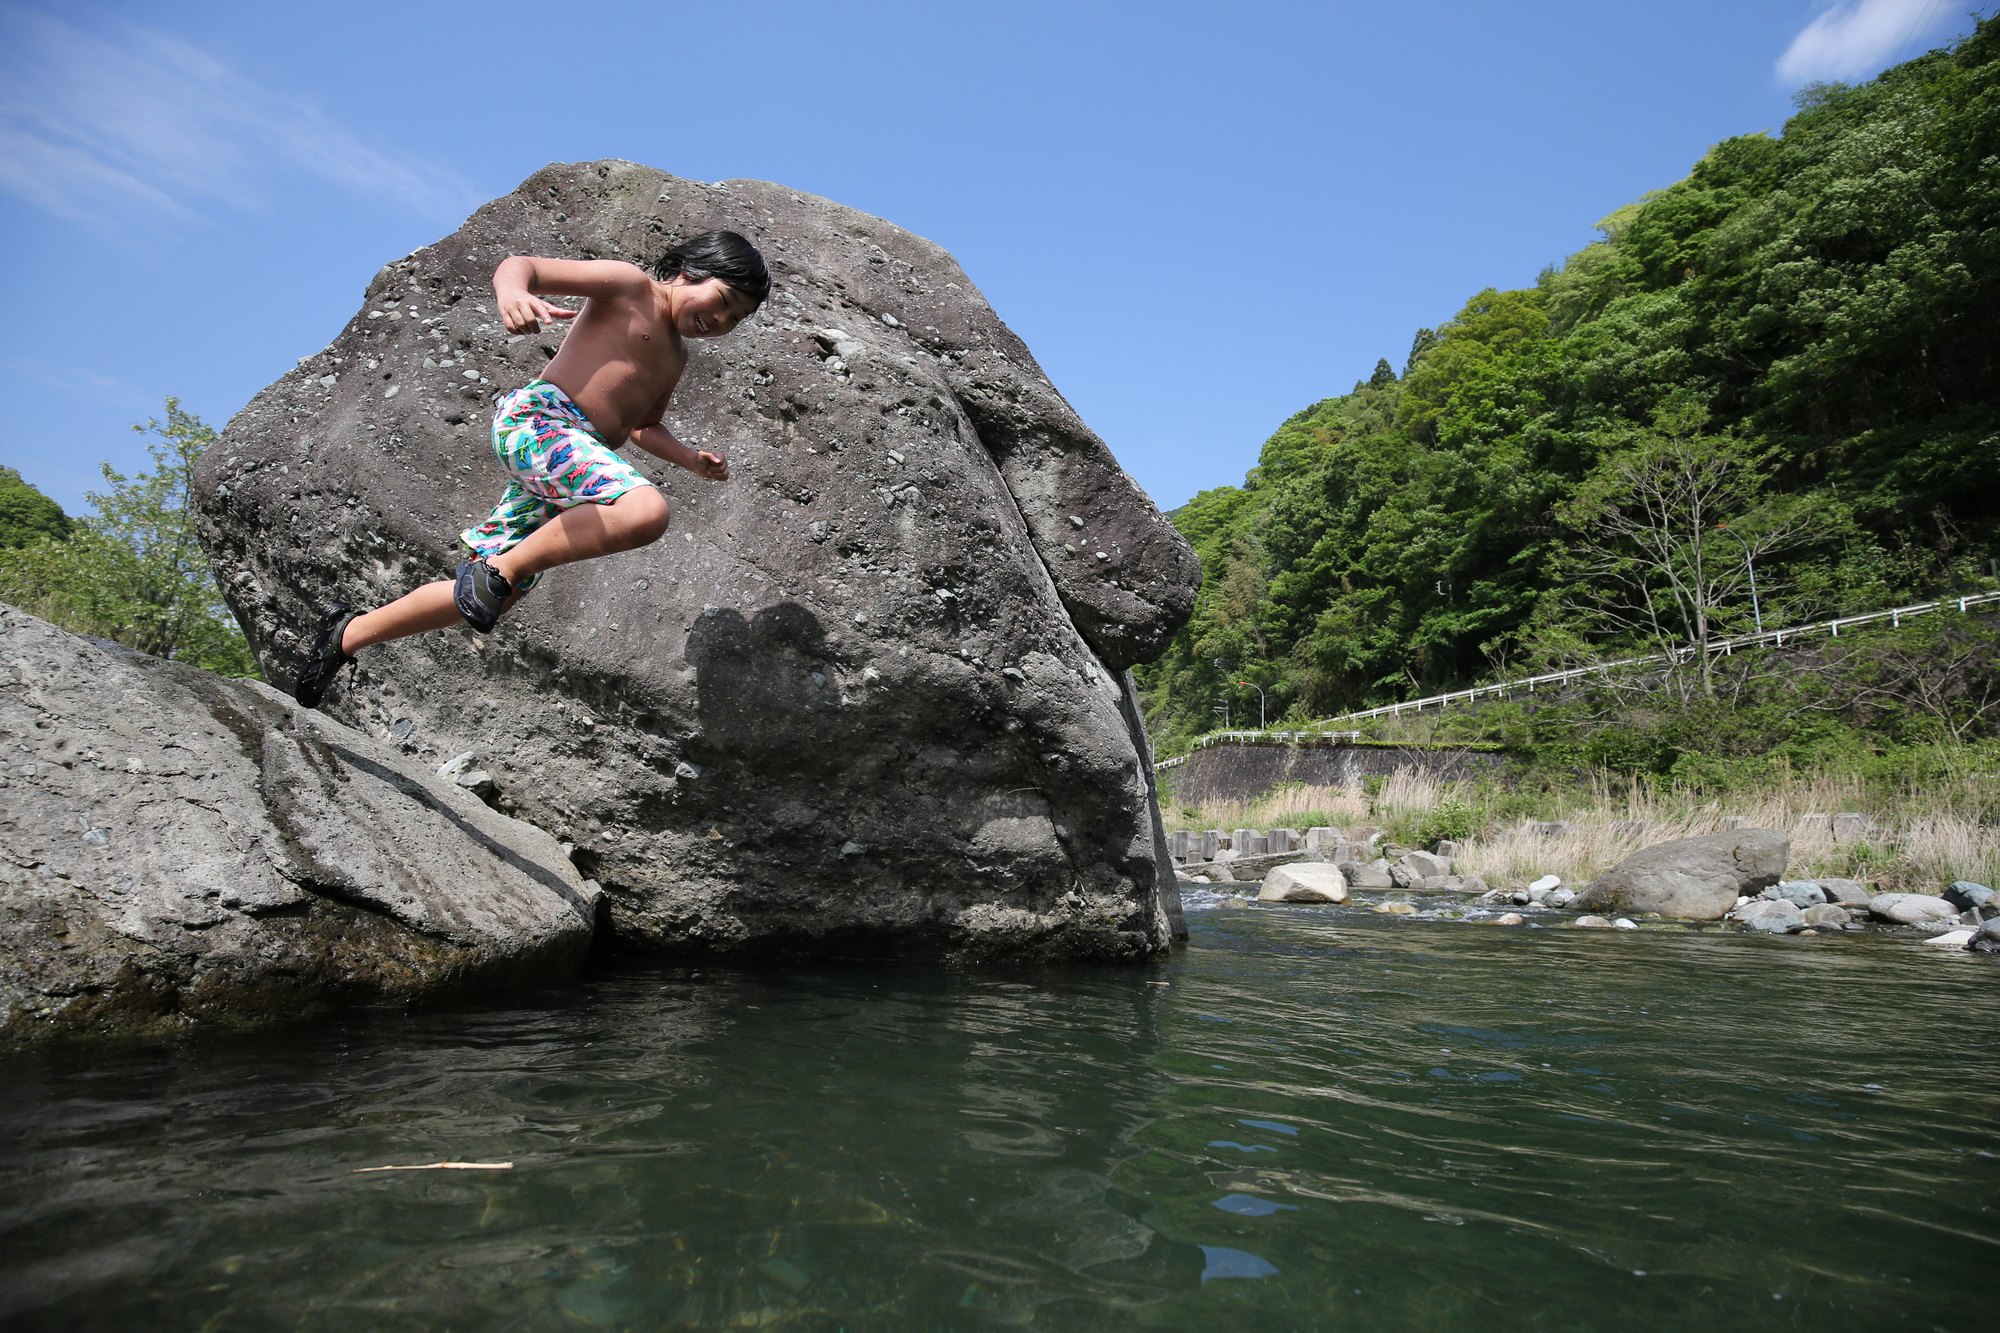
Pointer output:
x,y
178,851
1827,914
1593,923
1696,879
900,628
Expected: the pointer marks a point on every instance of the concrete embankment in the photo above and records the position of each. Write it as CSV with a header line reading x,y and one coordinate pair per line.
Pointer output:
x,y
1243,772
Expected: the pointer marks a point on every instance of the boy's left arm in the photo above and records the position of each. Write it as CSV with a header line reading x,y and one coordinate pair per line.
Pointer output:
x,y
658,441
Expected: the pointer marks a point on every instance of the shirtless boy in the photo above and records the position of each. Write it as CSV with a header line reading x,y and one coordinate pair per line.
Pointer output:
x,y
570,496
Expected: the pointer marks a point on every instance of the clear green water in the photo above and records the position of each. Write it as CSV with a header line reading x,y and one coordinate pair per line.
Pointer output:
x,y
1323,1119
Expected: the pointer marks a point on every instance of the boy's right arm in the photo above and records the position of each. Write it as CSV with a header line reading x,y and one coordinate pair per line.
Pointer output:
x,y
521,279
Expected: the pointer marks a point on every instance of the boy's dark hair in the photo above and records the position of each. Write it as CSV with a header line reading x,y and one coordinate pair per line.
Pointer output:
x,y
718,254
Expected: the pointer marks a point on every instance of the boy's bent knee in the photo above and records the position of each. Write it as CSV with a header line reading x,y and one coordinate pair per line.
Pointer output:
x,y
646,510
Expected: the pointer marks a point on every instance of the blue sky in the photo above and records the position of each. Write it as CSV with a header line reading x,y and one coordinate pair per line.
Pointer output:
x,y
1201,217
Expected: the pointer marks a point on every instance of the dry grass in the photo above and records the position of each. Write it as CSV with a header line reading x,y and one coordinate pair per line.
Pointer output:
x,y
1921,842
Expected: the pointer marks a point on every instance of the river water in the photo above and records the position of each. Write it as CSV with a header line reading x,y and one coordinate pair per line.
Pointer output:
x,y
1310,1118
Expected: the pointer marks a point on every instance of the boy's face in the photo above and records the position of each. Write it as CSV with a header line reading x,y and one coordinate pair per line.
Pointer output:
x,y
709,308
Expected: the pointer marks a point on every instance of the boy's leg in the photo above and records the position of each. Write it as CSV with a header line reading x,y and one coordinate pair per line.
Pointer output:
x,y
637,517
426,608
584,532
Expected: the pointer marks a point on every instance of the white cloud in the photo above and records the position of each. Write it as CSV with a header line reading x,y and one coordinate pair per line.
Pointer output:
x,y
128,124
1857,38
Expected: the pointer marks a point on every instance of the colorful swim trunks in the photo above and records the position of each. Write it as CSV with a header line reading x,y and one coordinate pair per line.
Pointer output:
x,y
556,459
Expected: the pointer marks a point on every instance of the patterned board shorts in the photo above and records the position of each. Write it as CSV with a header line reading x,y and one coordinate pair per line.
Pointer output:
x,y
556,459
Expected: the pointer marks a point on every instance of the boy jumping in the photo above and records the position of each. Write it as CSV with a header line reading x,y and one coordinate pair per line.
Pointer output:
x,y
570,496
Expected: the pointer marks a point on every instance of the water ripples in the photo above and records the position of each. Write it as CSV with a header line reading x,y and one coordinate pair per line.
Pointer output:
x,y
1310,1118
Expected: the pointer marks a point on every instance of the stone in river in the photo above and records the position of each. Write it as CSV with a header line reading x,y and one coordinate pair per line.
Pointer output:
x,y
850,646
1986,939
1951,939
1844,892
187,852
1396,909
1773,917
1360,876
1827,914
1510,919
1692,878
1593,923
1623,923
1304,882
1427,865
1911,909
1966,896
1546,883
1801,893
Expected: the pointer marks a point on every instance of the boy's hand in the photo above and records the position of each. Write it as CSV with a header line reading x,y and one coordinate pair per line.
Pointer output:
x,y
710,465
521,312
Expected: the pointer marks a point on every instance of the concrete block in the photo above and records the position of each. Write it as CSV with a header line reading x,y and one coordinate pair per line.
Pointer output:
x,y
1851,827
1177,844
1812,827
1211,843
1320,839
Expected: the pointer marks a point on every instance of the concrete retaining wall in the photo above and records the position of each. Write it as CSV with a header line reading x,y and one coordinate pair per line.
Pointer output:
x,y
1244,772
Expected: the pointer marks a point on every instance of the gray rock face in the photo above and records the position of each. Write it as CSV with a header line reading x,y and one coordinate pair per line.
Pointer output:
x,y
1426,865
1774,916
1696,879
1800,893
1844,892
179,850
1911,909
1966,895
1362,876
1827,914
864,698
1304,882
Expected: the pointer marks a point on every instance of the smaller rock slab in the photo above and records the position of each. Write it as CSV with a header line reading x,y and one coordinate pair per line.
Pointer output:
x,y
1911,909
1304,882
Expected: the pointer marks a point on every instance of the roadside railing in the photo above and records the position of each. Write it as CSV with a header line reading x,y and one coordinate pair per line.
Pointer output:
x,y
1895,616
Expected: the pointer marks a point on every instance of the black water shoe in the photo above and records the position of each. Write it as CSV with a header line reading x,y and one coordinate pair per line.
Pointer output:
x,y
326,659
481,594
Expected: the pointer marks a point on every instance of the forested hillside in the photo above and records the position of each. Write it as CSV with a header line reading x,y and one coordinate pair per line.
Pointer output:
x,y
1790,355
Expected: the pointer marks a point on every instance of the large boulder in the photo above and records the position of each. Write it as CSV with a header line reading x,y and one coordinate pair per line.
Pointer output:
x,y
1695,879
178,850
866,698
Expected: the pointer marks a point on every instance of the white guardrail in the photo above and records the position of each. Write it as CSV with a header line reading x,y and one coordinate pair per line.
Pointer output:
x,y
1775,637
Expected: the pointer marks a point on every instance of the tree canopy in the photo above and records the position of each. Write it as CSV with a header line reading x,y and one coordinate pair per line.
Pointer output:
x,y
1815,314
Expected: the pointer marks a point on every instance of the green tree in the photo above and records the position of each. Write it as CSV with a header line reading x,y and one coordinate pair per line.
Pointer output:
x,y
133,572
26,515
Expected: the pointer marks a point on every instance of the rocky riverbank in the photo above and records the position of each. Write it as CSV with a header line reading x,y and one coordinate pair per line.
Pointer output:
x,y
1730,880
